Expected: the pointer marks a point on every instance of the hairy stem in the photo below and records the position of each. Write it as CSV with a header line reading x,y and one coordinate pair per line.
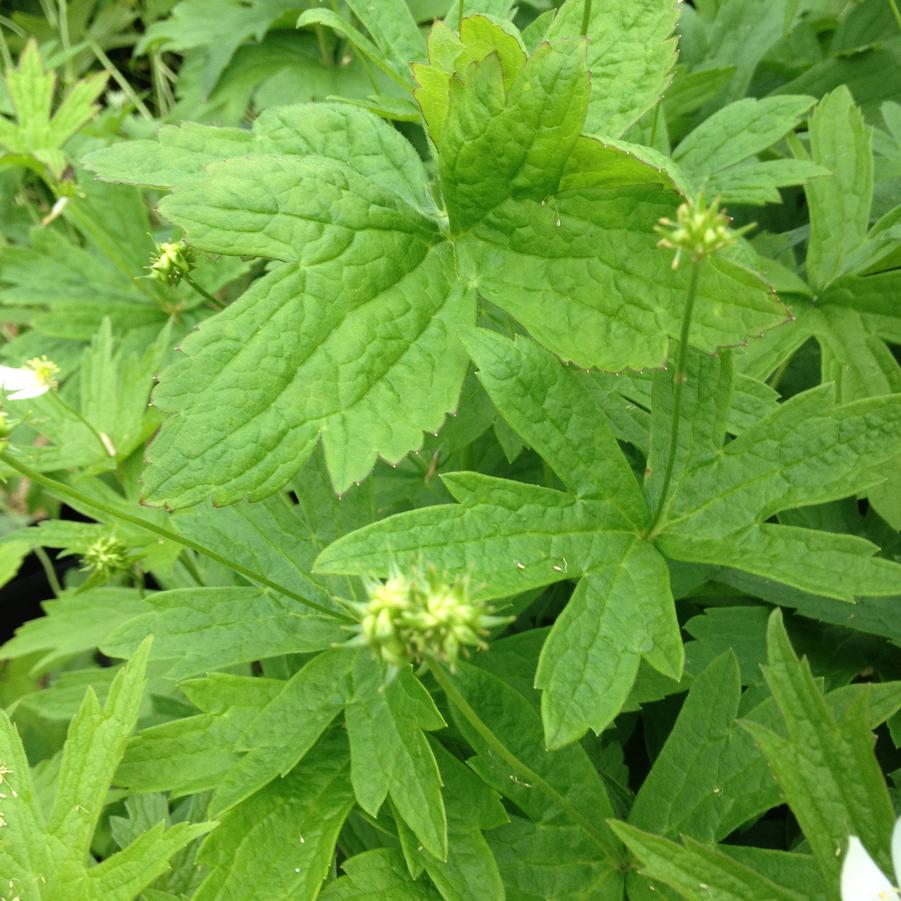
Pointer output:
x,y
520,769
679,377
66,492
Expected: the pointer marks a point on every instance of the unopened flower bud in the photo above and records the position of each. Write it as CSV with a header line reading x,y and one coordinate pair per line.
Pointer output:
x,y
700,230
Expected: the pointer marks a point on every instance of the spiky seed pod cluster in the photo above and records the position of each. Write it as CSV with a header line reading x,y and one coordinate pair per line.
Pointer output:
x,y
171,262
104,557
421,616
700,230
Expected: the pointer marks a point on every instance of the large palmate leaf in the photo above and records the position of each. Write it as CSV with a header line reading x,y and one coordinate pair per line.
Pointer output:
x,y
544,219
512,536
355,338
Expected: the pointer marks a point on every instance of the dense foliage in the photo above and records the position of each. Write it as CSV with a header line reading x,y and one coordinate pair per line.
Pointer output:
x,y
467,507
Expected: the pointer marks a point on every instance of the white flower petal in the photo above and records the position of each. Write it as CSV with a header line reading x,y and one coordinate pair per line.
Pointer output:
x,y
896,850
862,880
12,379
30,391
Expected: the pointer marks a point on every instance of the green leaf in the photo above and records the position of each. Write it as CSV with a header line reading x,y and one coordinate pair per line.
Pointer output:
x,y
390,755
675,797
26,851
281,841
622,610
738,131
122,876
12,553
527,127
756,183
202,629
271,536
694,869
839,205
631,54
335,131
557,415
832,565
190,754
541,860
470,872
94,746
74,624
517,725
704,414
115,388
285,729
392,28
808,451
603,251
826,766
217,27
36,132
380,873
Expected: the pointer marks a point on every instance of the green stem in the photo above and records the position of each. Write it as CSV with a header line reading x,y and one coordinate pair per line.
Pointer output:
x,y
776,378
324,51
49,571
520,769
679,377
204,293
586,18
66,492
118,77
896,12
117,257
460,16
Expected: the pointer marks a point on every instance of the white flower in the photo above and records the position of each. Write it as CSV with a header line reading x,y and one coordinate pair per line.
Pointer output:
x,y
37,377
862,880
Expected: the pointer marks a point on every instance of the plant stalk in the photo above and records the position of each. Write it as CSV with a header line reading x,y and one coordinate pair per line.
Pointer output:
x,y
210,299
679,377
586,18
522,770
64,491
49,571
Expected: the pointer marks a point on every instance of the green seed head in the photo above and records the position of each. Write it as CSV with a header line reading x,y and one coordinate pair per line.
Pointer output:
x,y
422,616
171,262
104,557
700,230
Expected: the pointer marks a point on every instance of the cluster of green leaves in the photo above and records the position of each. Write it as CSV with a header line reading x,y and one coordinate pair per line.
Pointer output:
x,y
429,325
